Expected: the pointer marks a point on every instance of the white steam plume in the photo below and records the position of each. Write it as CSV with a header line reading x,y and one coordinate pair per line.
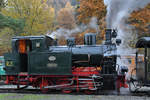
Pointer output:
x,y
118,12
81,28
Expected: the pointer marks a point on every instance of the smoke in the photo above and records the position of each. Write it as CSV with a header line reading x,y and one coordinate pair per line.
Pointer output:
x,y
93,24
66,32
78,29
118,11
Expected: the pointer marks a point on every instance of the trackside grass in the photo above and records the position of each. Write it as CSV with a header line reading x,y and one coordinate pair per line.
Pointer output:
x,y
18,96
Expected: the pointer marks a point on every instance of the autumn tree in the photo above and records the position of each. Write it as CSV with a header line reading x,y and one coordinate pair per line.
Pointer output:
x,y
26,17
2,3
89,9
5,39
37,15
8,26
140,19
59,4
66,18
7,21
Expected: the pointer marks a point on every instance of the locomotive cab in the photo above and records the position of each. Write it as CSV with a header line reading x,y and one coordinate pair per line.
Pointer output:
x,y
17,61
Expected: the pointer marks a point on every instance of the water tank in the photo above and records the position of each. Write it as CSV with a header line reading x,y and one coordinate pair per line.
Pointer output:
x,y
90,39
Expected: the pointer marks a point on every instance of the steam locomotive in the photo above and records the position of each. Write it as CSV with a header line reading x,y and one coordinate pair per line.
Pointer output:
x,y
38,61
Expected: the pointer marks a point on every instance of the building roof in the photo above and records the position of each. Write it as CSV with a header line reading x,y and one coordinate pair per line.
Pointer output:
x,y
143,42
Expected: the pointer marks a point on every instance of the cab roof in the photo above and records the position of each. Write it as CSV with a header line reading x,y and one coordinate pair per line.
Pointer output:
x,y
28,37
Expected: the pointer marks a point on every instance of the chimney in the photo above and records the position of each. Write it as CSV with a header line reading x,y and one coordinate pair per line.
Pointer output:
x,y
108,36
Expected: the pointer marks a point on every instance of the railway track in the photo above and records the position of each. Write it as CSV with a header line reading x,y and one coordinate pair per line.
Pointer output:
x,y
13,89
30,90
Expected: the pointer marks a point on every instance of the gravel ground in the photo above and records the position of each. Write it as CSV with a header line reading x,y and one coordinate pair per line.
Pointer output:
x,y
14,96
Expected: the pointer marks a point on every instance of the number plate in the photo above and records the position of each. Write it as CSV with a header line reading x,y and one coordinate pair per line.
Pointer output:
x,y
9,63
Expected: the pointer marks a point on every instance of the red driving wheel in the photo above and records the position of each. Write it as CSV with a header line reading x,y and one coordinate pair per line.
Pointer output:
x,y
66,91
43,84
88,92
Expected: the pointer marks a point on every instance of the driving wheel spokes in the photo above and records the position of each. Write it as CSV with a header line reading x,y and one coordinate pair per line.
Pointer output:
x,y
43,85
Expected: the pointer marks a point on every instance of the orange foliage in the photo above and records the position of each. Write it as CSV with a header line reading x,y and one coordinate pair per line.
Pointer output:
x,y
102,23
62,41
89,9
66,18
141,21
